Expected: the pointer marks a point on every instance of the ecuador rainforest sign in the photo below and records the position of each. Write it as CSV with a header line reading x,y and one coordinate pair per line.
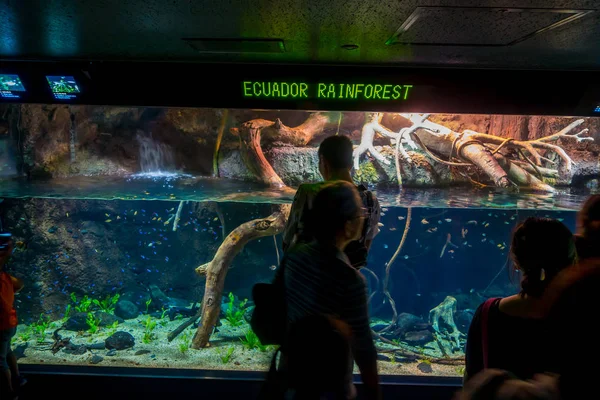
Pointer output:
x,y
324,90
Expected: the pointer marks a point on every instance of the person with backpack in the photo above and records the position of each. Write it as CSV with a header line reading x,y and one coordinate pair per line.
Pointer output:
x,y
335,163
512,333
325,298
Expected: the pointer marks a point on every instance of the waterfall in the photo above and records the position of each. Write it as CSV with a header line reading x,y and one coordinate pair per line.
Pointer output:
x,y
155,158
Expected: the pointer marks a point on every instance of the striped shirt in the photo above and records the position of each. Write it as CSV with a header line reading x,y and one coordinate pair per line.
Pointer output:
x,y
319,280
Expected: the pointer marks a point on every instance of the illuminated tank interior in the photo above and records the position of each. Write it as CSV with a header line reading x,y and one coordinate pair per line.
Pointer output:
x,y
121,213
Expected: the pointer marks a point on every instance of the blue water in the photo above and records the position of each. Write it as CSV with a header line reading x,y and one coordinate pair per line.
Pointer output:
x,y
187,187
107,236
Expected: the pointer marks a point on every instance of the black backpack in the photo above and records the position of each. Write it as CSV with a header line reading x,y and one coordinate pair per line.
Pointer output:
x,y
357,250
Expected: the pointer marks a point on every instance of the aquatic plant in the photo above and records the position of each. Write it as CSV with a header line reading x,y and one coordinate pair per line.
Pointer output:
x,y
25,336
148,305
184,344
460,370
93,323
251,341
163,320
108,304
235,318
113,328
226,356
40,327
67,313
149,326
82,305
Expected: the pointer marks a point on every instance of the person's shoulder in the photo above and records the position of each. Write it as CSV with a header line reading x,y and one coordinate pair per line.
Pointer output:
x,y
308,189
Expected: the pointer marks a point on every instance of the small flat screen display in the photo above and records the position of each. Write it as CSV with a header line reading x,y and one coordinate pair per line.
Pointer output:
x,y
11,86
63,87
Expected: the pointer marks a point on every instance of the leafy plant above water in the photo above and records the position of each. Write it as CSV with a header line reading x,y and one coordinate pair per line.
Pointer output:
x,y
108,304
235,315
149,326
251,341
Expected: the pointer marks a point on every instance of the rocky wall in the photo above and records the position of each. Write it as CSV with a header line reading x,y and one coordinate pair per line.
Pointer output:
x,y
96,248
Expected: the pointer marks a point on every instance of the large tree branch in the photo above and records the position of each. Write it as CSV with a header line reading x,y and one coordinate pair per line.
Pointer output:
x,y
251,133
563,133
216,270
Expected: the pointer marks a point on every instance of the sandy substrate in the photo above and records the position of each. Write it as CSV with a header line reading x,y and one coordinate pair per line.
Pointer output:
x,y
162,354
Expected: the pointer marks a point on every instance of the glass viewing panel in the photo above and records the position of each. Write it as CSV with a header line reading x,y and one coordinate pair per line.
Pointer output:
x,y
117,212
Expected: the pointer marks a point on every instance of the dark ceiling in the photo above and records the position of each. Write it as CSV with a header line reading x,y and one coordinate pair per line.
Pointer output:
x,y
548,34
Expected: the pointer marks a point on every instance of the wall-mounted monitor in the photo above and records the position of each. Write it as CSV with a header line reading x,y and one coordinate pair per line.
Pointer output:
x,y
10,86
63,87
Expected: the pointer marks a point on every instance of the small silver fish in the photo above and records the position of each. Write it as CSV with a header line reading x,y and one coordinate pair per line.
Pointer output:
x,y
273,267
448,220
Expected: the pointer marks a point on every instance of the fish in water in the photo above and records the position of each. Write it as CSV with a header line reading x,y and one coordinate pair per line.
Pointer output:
x,y
21,244
432,229
424,221
273,267
108,220
392,229
464,232
448,220
472,222
401,218
379,224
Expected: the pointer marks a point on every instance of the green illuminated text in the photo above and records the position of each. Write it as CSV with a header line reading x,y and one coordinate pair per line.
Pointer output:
x,y
324,90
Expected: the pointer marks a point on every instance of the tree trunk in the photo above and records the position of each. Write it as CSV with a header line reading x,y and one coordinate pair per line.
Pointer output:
x,y
216,270
501,169
250,135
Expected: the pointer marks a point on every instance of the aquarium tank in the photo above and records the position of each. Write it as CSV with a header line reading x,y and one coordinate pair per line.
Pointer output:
x,y
132,225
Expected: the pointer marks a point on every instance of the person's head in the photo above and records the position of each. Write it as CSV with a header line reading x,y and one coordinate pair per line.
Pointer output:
x,y
540,248
335,156
588,219
337,215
